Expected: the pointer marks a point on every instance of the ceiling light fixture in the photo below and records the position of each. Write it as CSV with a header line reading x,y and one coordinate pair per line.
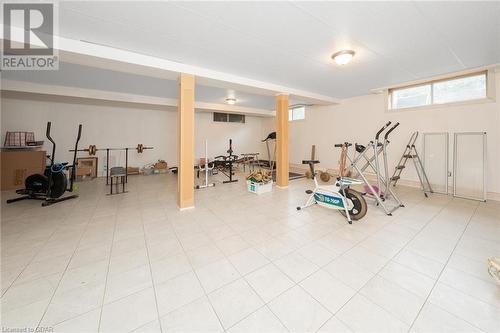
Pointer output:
x,y
343,57
231,100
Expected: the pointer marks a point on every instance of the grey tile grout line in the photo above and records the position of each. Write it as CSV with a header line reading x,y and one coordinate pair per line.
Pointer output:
x,y
292,251
62,275
197,278
297,284
150,272
251,287
422,273
107,270
31,260
239,233
241,276
441,272
376,274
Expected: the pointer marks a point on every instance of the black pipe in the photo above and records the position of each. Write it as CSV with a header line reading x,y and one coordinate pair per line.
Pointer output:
x,y
126,165
107,166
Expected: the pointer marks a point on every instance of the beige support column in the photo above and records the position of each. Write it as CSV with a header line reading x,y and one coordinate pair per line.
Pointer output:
x,y
185,149
282,140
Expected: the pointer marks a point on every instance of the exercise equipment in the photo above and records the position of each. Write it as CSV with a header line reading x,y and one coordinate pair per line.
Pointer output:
x,y
339,196
271,137
92,150
118,173
381,195
224,164
205,167
250,159
50,186
411,153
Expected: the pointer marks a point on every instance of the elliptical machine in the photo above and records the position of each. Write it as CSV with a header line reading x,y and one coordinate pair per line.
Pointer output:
x,y
381,192
50,186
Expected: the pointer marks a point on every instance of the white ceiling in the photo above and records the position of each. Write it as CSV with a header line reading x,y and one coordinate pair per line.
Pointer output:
x,y
73,75
289,43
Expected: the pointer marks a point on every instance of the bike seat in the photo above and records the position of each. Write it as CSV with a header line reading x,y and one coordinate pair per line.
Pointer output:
x,y
309,191
310,161
360,148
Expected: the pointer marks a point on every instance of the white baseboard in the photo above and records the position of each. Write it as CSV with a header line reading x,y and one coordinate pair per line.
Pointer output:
x,y
494,196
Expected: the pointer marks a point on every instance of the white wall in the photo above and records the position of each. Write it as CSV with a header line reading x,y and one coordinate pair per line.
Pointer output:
x,y
112,125
357,120
246,137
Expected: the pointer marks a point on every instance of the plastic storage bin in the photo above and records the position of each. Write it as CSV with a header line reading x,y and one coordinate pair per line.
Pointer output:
x,y
259,188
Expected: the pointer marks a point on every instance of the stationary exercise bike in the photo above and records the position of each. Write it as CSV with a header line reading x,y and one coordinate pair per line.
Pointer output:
x,y
50,186
339,196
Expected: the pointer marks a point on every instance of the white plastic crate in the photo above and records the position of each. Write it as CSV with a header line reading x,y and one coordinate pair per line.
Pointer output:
x,y
259,188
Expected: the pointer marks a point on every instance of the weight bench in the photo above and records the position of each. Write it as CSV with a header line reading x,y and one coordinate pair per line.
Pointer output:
x,y
119,174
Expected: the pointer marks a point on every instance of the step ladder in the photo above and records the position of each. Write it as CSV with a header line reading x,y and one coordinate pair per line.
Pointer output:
x,y
411,153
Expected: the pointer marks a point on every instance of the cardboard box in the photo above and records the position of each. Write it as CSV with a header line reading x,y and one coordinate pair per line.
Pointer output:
x,y
16,165
85,163
132,170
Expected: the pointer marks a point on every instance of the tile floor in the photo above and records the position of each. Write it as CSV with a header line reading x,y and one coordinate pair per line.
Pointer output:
x,y
246,263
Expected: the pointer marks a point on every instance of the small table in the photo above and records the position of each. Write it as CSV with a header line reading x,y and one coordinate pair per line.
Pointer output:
x,y
118,173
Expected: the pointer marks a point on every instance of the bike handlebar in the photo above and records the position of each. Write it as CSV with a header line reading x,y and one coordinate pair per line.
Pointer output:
x,y
382,129
390,130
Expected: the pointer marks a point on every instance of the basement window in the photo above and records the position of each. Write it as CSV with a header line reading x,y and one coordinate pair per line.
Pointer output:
x,y
458,89
229,118
297,113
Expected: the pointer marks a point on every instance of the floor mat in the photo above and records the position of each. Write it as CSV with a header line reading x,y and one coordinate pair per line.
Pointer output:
x,y
291,175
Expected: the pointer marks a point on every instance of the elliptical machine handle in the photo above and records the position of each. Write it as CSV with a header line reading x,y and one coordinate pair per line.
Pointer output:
x,y
73,167
79,133
47,132
390,130
382,129
52,159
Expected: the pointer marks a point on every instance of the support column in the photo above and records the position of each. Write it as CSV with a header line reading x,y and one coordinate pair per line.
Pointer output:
x,y
185,142
282,166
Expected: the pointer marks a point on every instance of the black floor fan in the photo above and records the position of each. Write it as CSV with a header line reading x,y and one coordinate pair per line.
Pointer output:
x,y
50,186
